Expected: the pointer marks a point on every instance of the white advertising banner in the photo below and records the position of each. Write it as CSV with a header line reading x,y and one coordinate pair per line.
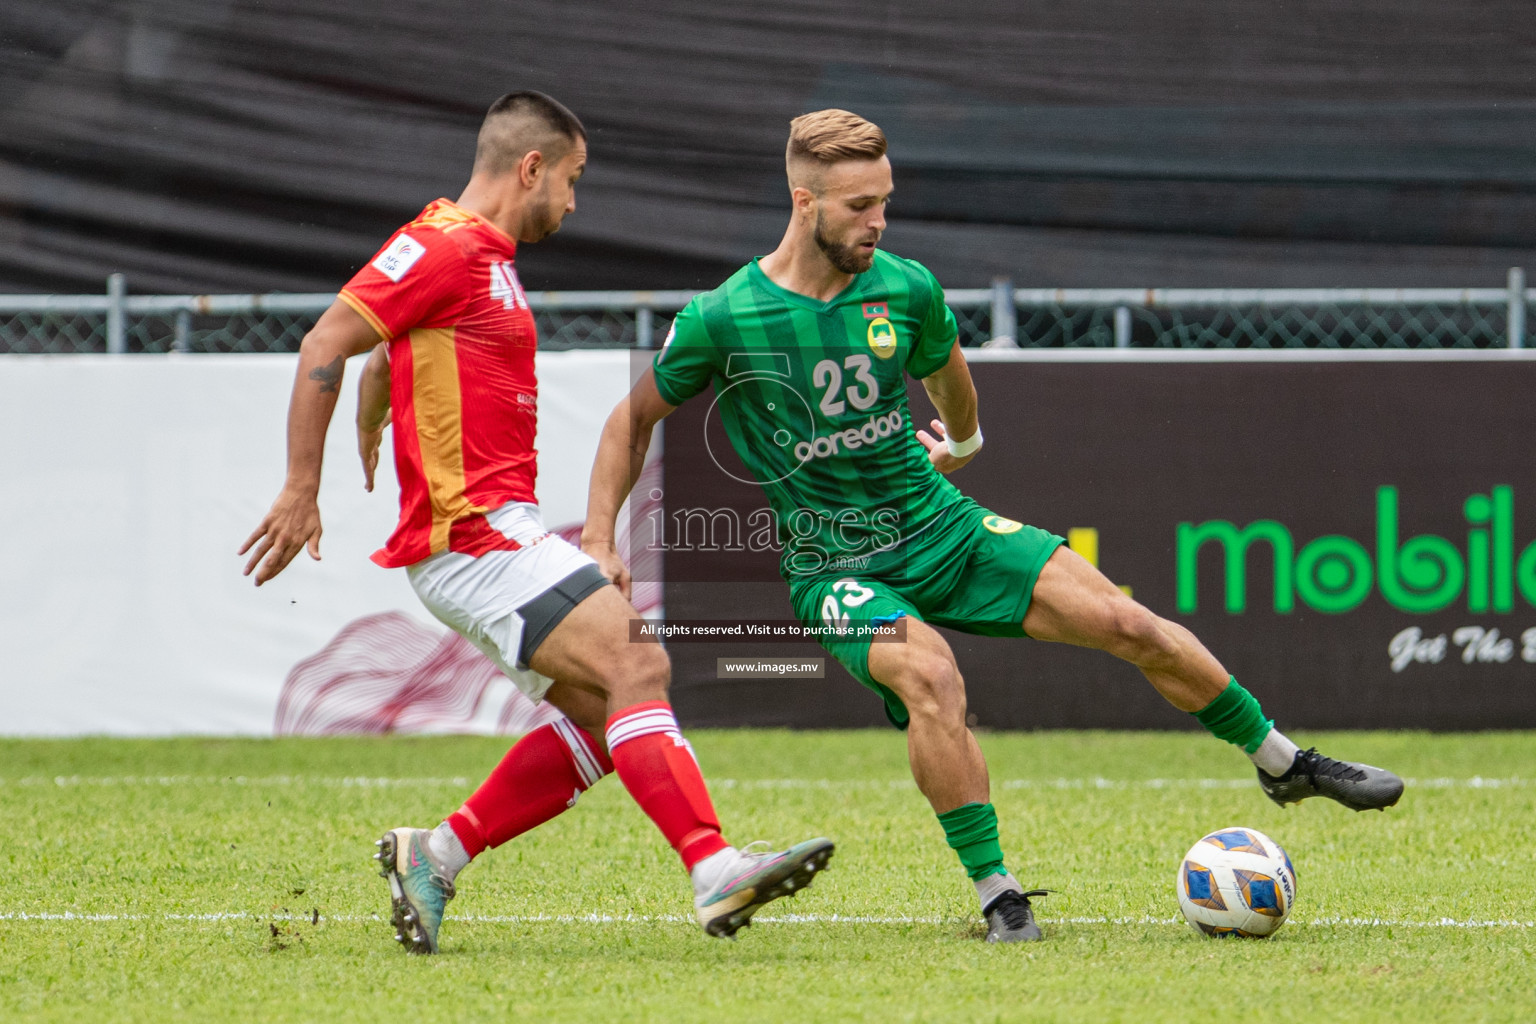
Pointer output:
x,y
126,486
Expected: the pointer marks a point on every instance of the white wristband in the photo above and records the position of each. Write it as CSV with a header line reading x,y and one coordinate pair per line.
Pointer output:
x,y
960,449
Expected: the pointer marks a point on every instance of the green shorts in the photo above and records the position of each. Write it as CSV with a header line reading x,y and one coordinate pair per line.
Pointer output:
x,y
977,576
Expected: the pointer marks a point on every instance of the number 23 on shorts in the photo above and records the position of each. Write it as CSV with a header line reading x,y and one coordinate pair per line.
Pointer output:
x,y
853,594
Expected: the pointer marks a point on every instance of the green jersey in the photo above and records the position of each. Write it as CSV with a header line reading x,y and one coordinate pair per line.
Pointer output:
x,y
813,398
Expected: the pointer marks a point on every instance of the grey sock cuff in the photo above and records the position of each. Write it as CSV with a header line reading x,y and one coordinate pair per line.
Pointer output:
x,y
993,886
1275,754
445,846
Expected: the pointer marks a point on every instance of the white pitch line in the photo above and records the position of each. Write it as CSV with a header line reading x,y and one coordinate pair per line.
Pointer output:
x,y
166,781
1475,782
370,782
238,915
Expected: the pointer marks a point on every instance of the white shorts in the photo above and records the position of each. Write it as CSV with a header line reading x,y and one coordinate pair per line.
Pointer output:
x,y
507,602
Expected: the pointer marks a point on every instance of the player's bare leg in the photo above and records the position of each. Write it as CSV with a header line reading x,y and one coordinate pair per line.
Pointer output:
x,y
588,710
591,650
951,772
1074,603
946,762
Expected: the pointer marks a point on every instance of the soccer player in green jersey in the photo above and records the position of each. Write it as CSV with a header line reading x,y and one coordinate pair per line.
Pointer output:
x,y
806,349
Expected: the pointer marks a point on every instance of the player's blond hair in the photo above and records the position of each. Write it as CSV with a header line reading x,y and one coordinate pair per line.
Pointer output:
x,y
823,137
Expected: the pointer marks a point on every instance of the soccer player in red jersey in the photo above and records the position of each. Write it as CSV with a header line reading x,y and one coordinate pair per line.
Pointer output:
x,y
452,365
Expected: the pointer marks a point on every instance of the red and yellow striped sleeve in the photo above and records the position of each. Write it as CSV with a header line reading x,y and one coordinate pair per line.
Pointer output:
x,y
416,280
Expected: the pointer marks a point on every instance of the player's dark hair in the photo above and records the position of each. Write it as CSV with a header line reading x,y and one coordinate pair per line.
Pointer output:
x,y
555,115
522,121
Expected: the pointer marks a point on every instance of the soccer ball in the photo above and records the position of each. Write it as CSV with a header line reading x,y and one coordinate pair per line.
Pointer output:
x,y
1236,881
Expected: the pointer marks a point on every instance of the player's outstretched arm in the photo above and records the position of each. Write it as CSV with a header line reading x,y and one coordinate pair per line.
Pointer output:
x,y
372,410
620,458
294,519
953,394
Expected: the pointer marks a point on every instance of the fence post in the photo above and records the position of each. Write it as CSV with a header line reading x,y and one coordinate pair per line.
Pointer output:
x,y
1516,320
1122,327
181,341
117,317
1004,318
643,335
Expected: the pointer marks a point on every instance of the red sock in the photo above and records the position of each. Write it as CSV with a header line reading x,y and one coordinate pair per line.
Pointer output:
x,y
656,765
541,776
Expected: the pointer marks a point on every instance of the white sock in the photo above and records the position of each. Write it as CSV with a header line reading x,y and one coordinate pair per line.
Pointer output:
x,y
993,886
445,846
1275,754
706,873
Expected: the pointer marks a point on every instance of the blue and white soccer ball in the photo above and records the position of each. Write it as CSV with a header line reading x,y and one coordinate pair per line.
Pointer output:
x,y
1236,881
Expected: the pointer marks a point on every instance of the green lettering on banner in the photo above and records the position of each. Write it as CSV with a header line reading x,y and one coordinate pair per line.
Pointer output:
x,y
1333,574
1504,549
1478,509
1235,542
1424,575
1525,573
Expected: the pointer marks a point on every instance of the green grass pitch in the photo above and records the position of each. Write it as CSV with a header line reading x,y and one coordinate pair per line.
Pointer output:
x,y
220,880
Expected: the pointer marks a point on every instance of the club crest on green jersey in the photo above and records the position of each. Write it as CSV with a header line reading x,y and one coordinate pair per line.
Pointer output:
x,y
882,337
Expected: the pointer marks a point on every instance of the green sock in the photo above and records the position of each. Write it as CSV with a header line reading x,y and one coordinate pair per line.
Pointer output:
x,y
972,833
1236,717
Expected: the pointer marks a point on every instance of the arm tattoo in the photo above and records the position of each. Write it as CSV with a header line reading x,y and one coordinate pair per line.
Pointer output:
x,y
328,376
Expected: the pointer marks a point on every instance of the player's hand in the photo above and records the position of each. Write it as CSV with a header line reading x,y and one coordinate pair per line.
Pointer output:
x,y
608,560
292,523
938,450
368,442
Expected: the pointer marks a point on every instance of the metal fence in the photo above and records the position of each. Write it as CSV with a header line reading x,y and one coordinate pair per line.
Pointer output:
x,y
1000,316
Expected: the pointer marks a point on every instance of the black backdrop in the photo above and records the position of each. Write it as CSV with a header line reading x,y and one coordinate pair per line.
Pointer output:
x,y
1133,449
247,145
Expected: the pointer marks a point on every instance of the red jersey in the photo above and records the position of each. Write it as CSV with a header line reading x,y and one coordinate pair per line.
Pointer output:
x,y
463,395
